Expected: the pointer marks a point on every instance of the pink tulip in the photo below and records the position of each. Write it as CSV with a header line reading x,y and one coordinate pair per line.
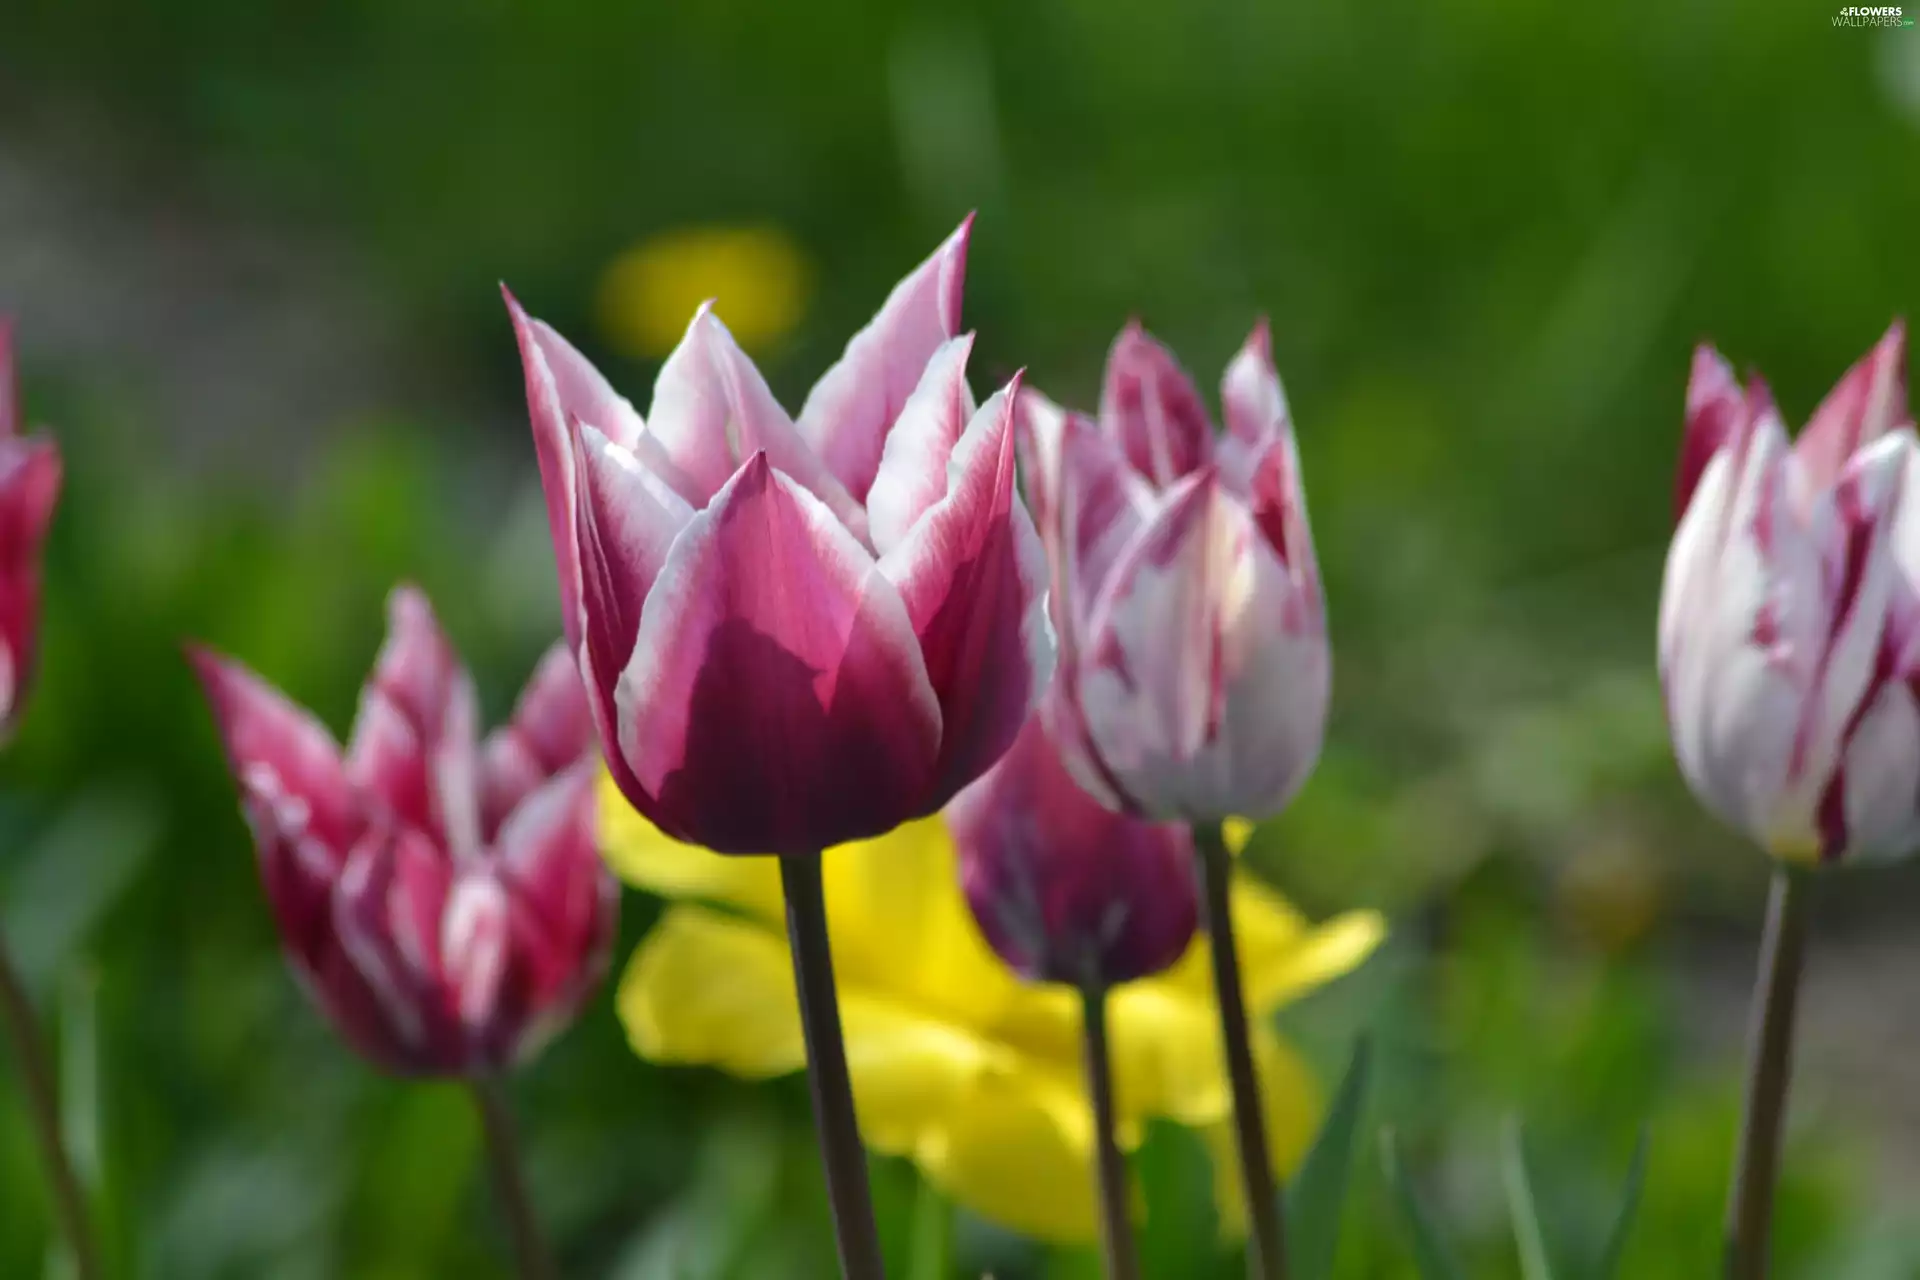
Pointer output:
x,y
442,898
1065,889
1789,617
794,632
1194,662
29,486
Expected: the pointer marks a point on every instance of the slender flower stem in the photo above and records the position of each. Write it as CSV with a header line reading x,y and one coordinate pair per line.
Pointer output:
x,y
43,1105
1116,1232
833,1114
1775,994
509,1180
1266,1235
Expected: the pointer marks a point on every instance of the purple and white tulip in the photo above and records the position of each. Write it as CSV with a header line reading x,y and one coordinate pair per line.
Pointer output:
x,y
441,898
1789,617
795,632
1065,889
1194,674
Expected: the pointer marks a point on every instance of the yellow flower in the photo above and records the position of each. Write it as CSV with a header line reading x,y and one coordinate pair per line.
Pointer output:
x,y
957,1064
757,277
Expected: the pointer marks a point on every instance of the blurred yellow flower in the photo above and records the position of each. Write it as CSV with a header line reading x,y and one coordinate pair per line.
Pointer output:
x,y
757,276
956,1064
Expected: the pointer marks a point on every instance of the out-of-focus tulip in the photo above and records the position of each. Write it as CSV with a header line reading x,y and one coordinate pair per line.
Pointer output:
x,y
1789,620
795,632
1063,888
1194,664
441,898
29,487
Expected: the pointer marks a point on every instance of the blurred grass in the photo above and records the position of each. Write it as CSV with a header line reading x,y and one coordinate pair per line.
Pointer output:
x,y
1488,232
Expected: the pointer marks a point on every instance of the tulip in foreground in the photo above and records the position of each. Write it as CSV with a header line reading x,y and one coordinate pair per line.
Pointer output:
x,y
1789,648
1071,892
29,486
1193,650
765,607
797,632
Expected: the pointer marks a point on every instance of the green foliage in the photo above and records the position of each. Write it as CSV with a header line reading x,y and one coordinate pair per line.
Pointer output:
x,y
1317,1197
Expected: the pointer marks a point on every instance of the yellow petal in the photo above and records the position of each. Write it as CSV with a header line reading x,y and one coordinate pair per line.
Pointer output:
x,y
1280,973
1236,832
713,990
1018,1150
646,857
1166,1054
1292,1103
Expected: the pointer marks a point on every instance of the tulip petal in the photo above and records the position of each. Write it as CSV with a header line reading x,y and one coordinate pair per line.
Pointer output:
x,y
1067,890
706,989
304,814
1866,404
849,411
551,727
1716,412
913,468
387,912
563,387
30,473
1254,404
1149,405
974,578
1101,505
712,411
774,661
565,904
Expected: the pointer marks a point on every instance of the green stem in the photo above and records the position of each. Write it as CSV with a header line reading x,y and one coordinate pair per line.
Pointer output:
x,y
1116,1231
1776,993
43,1107
1266,1234
932,1234
833,1114
509,1180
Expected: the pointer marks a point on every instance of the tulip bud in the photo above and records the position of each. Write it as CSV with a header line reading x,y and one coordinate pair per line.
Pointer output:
x,y
763,607
29,486
1065,889
441,899
1194,674
1789,616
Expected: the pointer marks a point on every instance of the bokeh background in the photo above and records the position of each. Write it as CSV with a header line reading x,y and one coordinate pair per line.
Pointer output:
x,y
253,249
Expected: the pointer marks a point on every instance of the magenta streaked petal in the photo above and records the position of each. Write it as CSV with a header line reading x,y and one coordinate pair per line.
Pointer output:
x,y
551,728
850,410
563,387
774,662
712,411
387,911
1252,400
1149,405
1064,889
475,943
1869,812
1102,506
1866,404
913,468
416,722
974,579
1716,411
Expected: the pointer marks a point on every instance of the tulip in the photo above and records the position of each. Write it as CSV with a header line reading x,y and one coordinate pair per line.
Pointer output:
x,y
1194,664
1066,890
1789,643
797,632
29,486
764,608
1789,622
442,899
1194,668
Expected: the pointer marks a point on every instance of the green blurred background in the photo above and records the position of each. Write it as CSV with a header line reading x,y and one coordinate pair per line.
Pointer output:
x,y
253,248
